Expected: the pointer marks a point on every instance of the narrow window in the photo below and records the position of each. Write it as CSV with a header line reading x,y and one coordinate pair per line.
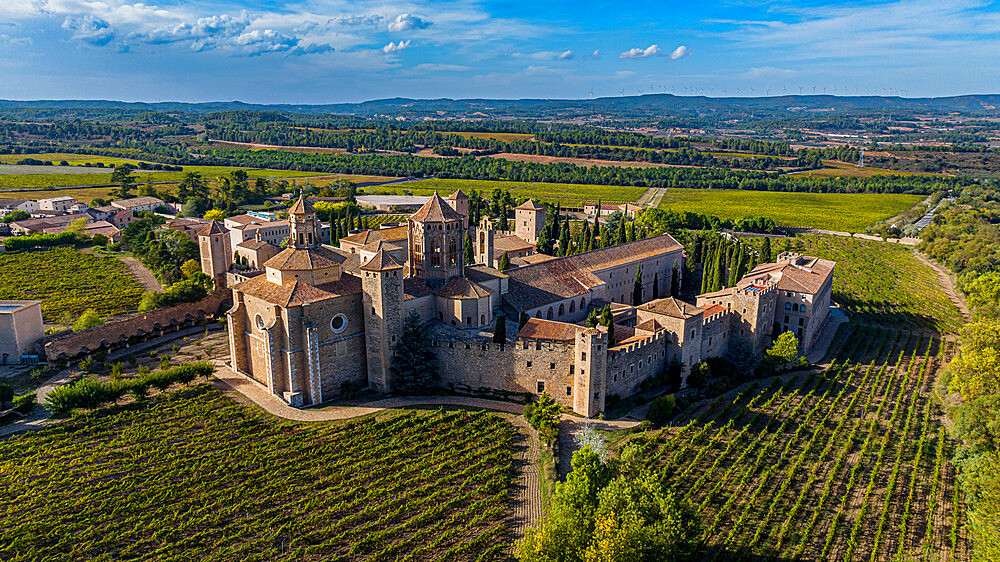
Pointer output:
x,y
541,387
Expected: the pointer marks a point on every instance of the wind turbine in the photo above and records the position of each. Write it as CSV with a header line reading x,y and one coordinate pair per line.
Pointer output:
x,y
621,92
591,93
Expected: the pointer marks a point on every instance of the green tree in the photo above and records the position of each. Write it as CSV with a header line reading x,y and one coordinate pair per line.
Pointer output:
x,y
193,186
785,349
500,330
543,414
522,319
976,369
469,257
123,177
765,251
637,287
190,267
504,262
15,216
414,365
89,319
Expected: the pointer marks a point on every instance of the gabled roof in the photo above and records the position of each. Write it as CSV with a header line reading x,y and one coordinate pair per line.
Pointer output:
x,y
713,310
539,329
297,293
650,325
436,210
530,205
502,243
211,228
673,308
253,244
458,194
304,259
462,288
369,236
807,275
301,207
415,288
381,261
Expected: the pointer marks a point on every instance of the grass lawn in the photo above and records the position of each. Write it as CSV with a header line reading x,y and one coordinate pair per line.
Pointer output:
x,y
194,475
68,281
881,282
850,212
566,193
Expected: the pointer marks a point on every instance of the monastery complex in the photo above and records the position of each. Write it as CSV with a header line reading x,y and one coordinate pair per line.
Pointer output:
x,y
312,319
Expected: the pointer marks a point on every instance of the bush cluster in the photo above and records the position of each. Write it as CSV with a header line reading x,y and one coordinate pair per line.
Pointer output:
x,y
543,415
91,393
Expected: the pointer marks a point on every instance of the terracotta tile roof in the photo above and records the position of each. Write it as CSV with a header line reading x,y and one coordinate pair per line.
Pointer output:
x,y
713,310
539,329
212,228
561,278
650,325
382,245
531,259
414,288
386,234
511,243
483,273
381,261
806,275
136,202
301,207
462,288
717,294
253,244
672,307
458,194
297,293
530,205
304,258
436,210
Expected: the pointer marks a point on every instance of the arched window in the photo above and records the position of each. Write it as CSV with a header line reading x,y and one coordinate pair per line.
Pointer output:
x,y
572,307
482,319
561,309
583,304
538,314
549,314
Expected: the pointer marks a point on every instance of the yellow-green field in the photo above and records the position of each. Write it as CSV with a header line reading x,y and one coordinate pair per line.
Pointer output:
x,y
505,137
570,194
849,212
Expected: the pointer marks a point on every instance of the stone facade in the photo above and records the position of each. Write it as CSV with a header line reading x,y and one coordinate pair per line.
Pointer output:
x,y
318,319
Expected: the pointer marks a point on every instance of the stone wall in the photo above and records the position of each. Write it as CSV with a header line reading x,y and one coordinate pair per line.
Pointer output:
x,y
629,365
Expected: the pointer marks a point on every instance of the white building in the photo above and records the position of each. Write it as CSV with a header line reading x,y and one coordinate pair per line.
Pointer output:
x,y
57,204
247,227
138,204
20,328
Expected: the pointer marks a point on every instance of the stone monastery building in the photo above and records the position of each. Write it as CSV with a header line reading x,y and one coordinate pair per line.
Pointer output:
x,y
319,317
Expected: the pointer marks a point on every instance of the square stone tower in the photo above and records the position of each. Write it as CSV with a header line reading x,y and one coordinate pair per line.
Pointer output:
x,y
216,251
382,287
529,219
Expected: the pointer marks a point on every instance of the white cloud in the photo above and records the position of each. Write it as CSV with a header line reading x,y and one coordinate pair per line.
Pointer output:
x,y
596,53
565,55
406,22
8,41
90,29
637,53
680,52
439,67
768,72
393,47
259,42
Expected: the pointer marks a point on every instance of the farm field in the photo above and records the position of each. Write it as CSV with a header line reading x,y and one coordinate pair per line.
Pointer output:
x,y
836,169
851,212
845,464
194,475
504,137
885,283
68,281
571,194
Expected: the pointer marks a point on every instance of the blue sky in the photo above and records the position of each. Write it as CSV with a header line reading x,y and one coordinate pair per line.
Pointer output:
x,y
325,51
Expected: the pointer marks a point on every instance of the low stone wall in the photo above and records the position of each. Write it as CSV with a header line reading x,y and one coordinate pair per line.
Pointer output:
x,y
136,328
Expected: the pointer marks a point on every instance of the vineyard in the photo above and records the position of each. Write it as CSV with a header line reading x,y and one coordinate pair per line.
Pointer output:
x,y
846,464
67,281
195,475
883,283
852,212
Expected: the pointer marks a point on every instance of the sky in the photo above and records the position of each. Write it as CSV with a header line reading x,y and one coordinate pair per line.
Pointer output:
x,y
329,51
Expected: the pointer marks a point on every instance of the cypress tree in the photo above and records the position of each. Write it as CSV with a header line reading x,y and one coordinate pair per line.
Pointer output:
x,y
500,330
564,239
637,288
656,284
720,270
734,271
469,257
504,262
522,319
765,251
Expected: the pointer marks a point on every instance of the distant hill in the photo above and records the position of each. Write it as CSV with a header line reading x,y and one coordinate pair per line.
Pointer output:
x,y
660,106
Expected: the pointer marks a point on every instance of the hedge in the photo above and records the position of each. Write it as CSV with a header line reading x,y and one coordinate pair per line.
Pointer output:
x,y
91,393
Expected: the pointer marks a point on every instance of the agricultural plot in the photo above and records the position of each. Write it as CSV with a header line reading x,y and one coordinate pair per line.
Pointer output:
x,y
67,281
883,283
569,194
836,169
850,212
197,476
846,464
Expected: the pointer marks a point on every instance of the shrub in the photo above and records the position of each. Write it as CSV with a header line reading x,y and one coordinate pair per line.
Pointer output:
x,y
6,392
25,403
543,415
91,393
350,389
661,410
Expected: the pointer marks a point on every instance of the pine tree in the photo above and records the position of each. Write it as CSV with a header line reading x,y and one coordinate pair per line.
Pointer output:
x,y
414,365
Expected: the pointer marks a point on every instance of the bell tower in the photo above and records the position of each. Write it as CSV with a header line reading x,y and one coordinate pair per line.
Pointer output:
x,y
436,236
304,226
